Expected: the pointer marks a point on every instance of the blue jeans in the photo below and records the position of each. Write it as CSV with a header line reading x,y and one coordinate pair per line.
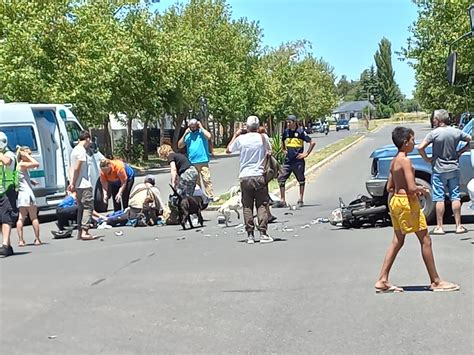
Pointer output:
x,y
442,181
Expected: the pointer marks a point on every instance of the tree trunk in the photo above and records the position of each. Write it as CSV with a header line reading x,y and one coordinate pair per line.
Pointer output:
x,y
107,139
145,140
178,121
162,130
129,139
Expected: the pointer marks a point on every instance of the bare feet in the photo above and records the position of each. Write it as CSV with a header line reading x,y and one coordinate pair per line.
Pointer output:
x,y
444,286
87,237
38,242
21,243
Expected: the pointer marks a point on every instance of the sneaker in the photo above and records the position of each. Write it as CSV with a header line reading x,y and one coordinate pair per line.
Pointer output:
x,y
300,204
272,219
280,204
250,239
61,234
265,239
6,250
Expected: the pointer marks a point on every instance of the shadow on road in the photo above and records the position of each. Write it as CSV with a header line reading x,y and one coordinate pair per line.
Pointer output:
x,y
423,288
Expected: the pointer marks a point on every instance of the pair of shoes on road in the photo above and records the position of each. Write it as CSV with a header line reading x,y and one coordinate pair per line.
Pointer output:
x,y
5,251
263,239
440,231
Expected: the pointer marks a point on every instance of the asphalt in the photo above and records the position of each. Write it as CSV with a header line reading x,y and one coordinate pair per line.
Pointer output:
x,y
311,291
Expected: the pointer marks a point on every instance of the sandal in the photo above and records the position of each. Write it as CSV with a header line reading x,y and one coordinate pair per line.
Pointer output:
x,y
461,230
438,231
444,286
389,289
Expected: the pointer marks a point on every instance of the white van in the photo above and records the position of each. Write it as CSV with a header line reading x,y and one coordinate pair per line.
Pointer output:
x,y
51,131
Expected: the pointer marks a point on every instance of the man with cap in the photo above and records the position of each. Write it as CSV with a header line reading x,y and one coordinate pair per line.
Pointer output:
x,y
8,209
196,140
253,147
293,144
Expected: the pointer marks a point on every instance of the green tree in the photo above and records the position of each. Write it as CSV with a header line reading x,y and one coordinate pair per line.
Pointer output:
x,y
438,24
388,92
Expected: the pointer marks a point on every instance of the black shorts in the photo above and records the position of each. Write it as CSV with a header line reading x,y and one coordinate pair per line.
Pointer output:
x,y
8,210
296,168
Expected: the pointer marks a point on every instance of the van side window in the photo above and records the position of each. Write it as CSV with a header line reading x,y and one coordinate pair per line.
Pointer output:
x,y
73,132
20,135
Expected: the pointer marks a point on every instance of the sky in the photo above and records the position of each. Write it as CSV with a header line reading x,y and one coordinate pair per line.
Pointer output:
x,y
345,33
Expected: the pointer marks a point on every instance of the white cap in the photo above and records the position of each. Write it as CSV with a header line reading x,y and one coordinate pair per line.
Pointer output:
x,y
252,121
3,140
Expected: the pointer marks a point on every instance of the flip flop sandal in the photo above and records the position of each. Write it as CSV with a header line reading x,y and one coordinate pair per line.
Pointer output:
x,y
462,231
446,289
391,289
437,232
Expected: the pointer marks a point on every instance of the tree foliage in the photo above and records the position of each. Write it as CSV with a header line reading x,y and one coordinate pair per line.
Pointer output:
x,y
440,23
116,56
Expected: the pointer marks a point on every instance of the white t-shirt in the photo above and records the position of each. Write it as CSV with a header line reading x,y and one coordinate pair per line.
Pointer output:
x,y
83,179
252,153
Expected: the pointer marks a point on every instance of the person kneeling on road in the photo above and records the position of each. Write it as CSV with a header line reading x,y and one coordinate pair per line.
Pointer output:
x,y
66,212
293,143
145,200
253,187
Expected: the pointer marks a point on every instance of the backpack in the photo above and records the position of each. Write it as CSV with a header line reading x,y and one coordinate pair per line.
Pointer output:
x,y
9,178
271,167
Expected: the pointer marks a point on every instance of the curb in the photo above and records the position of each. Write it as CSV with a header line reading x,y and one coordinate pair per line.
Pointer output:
x,y
308,171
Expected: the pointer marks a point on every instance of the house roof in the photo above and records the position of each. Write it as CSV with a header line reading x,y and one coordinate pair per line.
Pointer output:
x,y
355,106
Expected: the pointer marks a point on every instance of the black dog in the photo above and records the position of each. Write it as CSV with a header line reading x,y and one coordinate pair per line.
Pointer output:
x,y
188,206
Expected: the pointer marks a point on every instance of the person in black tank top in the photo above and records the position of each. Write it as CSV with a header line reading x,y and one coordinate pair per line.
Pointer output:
x,y
183,174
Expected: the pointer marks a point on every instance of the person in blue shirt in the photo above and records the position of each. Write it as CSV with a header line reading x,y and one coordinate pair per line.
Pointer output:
x,y
293,140
196,139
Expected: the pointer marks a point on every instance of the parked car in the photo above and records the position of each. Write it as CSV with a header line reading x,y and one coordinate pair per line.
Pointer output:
x,y
342,124
320,127
382,157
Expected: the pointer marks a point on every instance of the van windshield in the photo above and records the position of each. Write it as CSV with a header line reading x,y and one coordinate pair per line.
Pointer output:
x,y
73,132
20,136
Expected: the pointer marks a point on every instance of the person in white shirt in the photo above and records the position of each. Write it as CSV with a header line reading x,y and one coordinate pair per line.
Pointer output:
x,y
253,147
80,182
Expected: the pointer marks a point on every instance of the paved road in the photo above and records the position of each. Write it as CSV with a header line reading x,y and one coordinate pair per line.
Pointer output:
x,y
309,292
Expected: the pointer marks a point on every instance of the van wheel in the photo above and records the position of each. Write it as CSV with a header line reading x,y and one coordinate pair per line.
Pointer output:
x,y
99,205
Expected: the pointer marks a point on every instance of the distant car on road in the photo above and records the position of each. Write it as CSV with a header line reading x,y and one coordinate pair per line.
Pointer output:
x,y
382,157
343,124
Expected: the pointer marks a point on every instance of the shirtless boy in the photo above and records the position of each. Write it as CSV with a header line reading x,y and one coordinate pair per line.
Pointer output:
x,y
407,216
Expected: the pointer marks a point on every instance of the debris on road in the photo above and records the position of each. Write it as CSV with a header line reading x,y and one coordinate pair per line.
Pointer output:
x,y
118,233
288,213
52,336
287,229
305,226
181,238
320,220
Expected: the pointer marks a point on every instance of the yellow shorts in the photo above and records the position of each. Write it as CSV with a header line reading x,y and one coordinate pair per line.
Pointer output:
x,y
406,214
